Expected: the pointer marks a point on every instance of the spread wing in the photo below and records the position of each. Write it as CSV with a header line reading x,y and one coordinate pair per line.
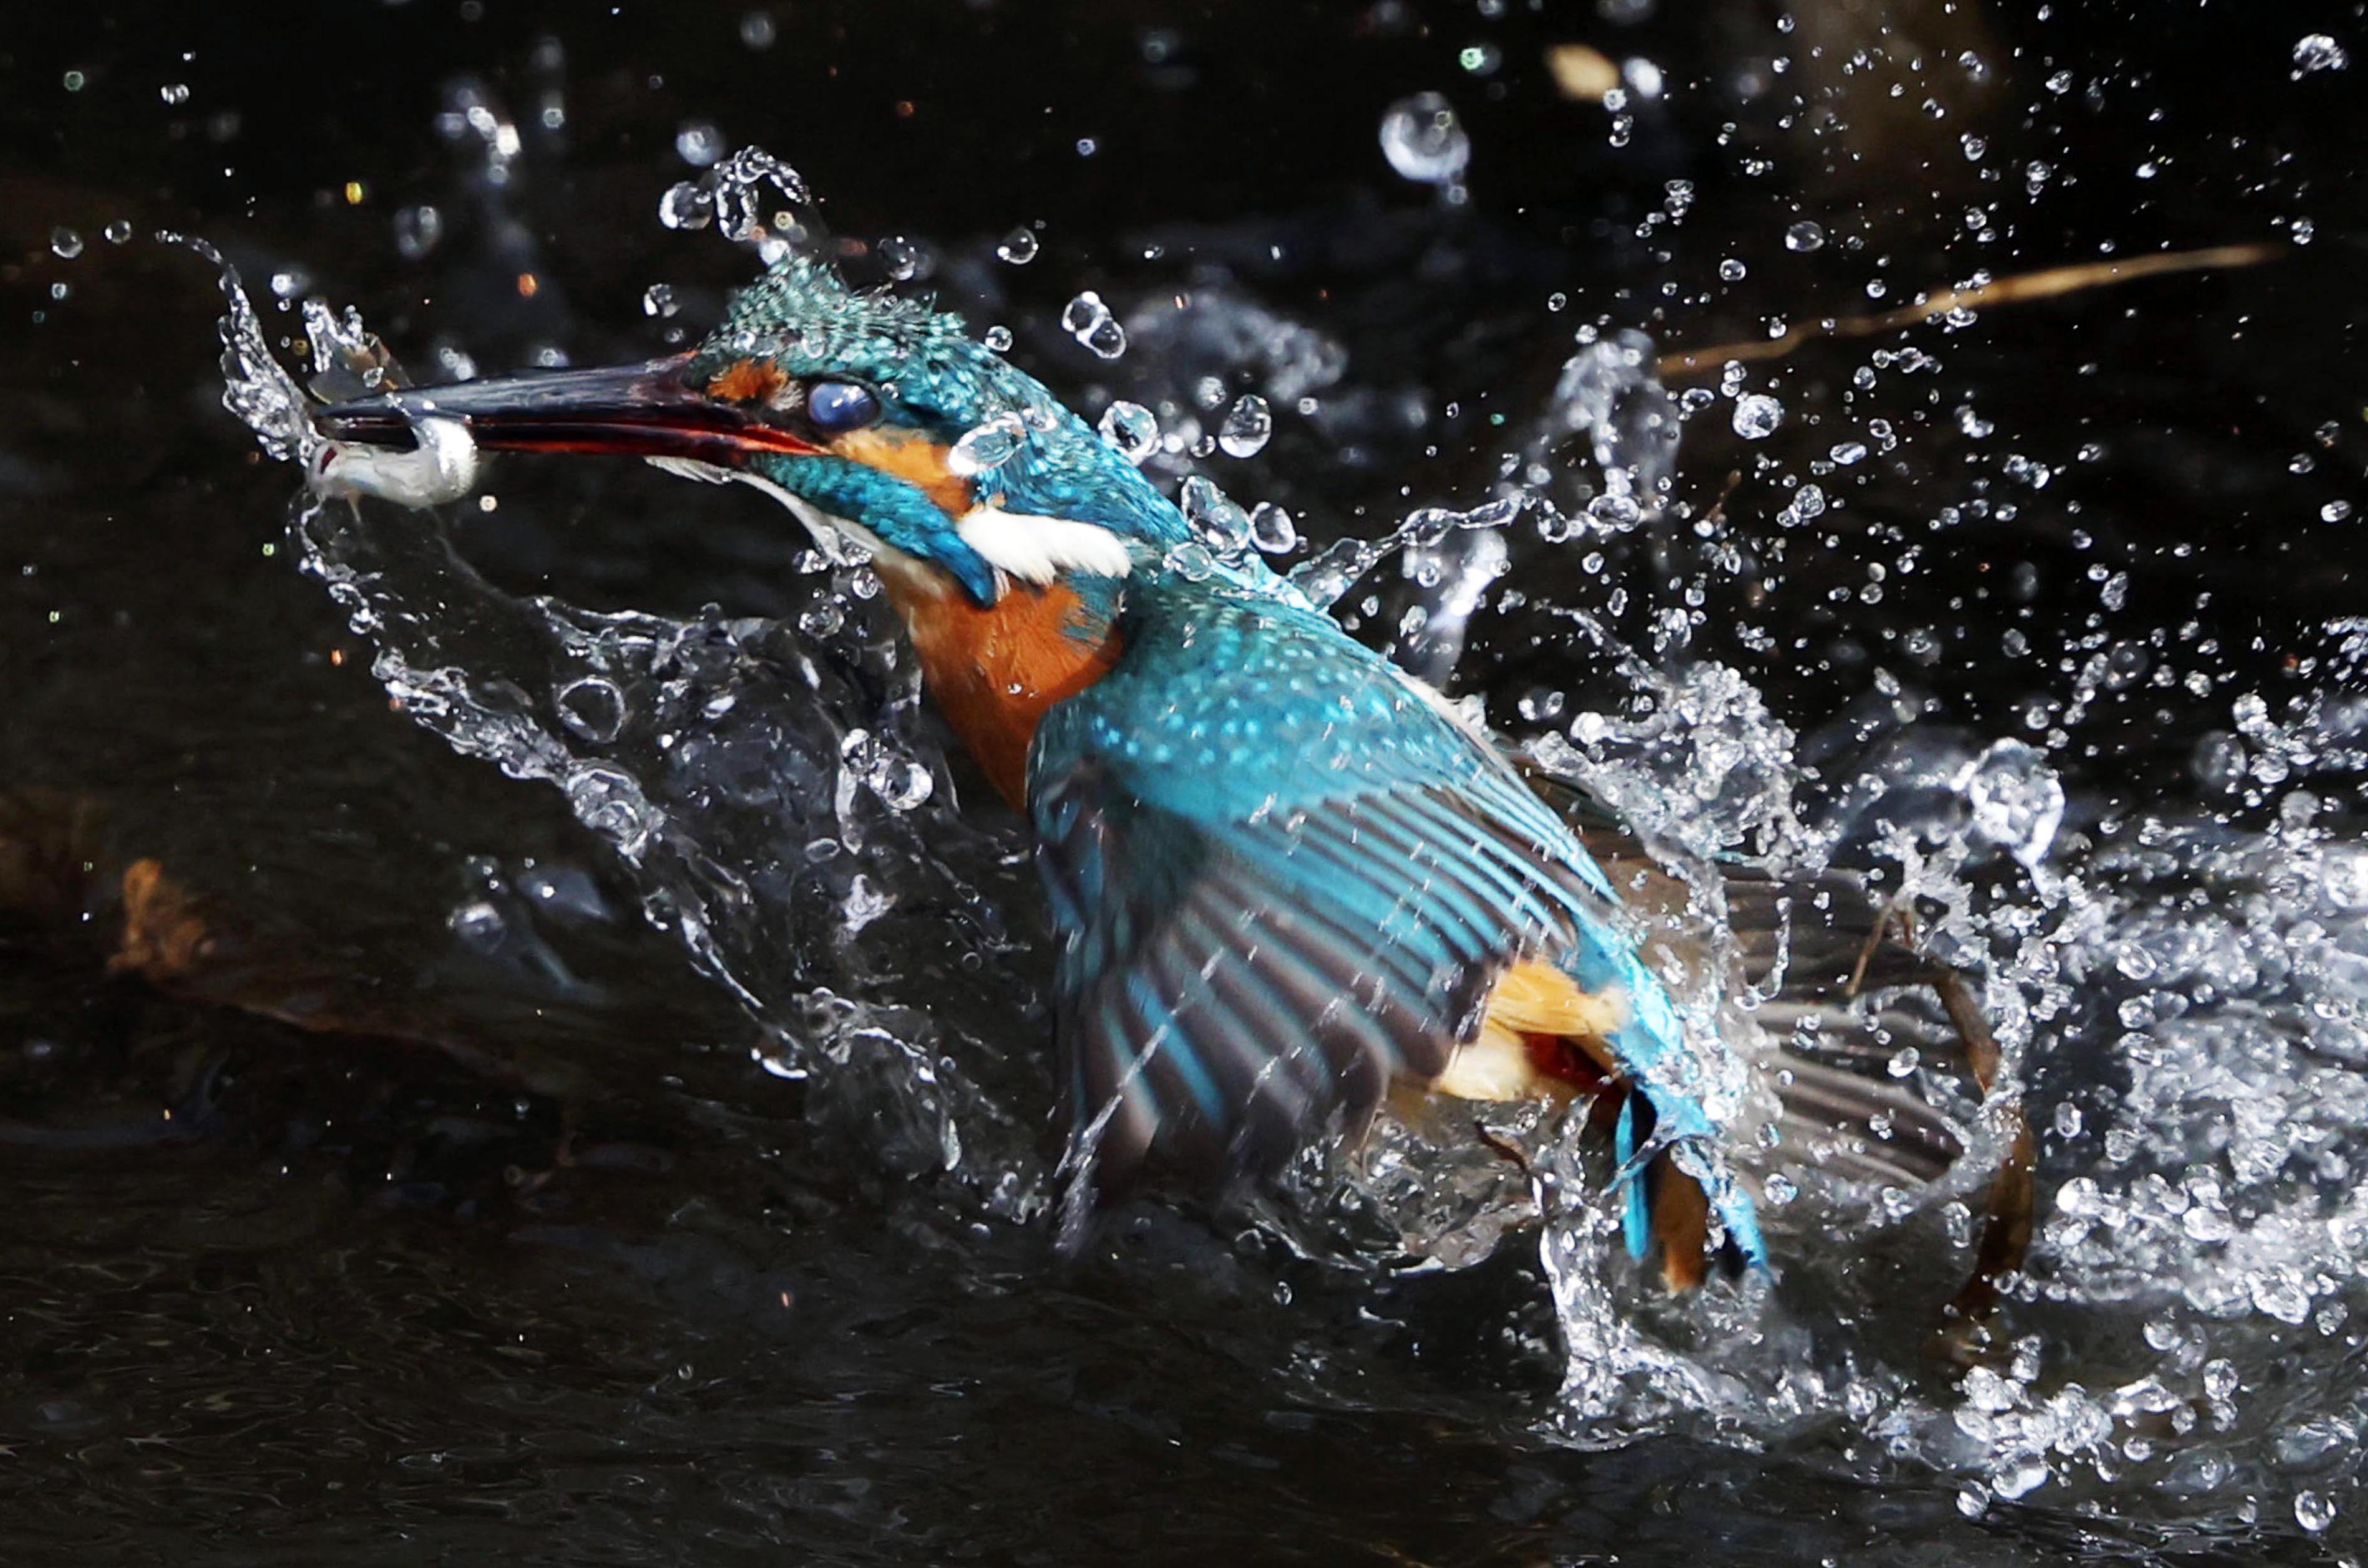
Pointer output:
x,y
1282,877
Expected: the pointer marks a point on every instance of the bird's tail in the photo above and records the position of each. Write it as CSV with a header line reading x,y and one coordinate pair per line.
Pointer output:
x,y
1854,1017
1852,1012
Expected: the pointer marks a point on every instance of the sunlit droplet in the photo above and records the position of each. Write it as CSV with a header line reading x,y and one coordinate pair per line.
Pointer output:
x,y
698,143
987,447
417,230
685,206
1248,426
1424,140
1089,321
1131,429
1271,529
903,258
2316,51
1757,415
1215,516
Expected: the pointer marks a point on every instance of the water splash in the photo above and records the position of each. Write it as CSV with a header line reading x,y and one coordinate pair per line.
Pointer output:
x,y
2182,1005
764,787
735,193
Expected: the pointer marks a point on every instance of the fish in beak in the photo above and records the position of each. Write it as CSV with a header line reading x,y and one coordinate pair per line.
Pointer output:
x,y
650,410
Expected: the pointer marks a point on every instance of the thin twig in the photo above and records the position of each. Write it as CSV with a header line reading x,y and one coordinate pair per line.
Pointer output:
x,y
2015,290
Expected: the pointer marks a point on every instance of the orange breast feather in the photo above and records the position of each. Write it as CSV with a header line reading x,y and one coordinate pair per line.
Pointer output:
x,y
994,671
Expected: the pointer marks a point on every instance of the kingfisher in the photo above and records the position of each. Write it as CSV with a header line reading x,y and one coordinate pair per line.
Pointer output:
x,y
1287,878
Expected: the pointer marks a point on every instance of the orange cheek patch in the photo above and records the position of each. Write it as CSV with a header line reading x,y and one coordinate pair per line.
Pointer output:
x,y
912,457
748,380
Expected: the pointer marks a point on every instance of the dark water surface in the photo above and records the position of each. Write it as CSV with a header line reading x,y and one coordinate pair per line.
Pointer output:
x,y
533,1262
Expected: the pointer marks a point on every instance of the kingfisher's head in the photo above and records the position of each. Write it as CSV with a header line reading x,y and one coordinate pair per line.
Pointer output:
x,y
852,409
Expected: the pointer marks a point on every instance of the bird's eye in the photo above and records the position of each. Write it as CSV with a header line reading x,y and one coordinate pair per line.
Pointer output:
x,y
834,406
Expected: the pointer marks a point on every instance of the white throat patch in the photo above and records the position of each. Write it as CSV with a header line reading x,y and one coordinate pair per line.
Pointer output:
x,y
1031,550
1037,550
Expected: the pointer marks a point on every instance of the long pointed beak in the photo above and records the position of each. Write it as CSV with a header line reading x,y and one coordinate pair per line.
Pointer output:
x,y
648,410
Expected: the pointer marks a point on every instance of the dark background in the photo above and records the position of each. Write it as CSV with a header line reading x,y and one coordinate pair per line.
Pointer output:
x,y
364,1306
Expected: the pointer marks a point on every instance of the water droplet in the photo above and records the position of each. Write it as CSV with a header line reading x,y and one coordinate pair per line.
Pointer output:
x,y
904,259
118,232
1615,509
1757,415
1731,270
1192,562
1849,452
1480,59
1246,428
757,29
1107,340
658,299
2335,511
178,92
1089,321
2017,802
1807,502
74,81
1215,516
593,708
417,230
1131,429
2314,1511
64,244
1423,140
998,337
984,448
2316,51
686,206
1017,247
1271,529
899,781
737,194
2279,1292
1804,237
479,925
610,802
698,143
